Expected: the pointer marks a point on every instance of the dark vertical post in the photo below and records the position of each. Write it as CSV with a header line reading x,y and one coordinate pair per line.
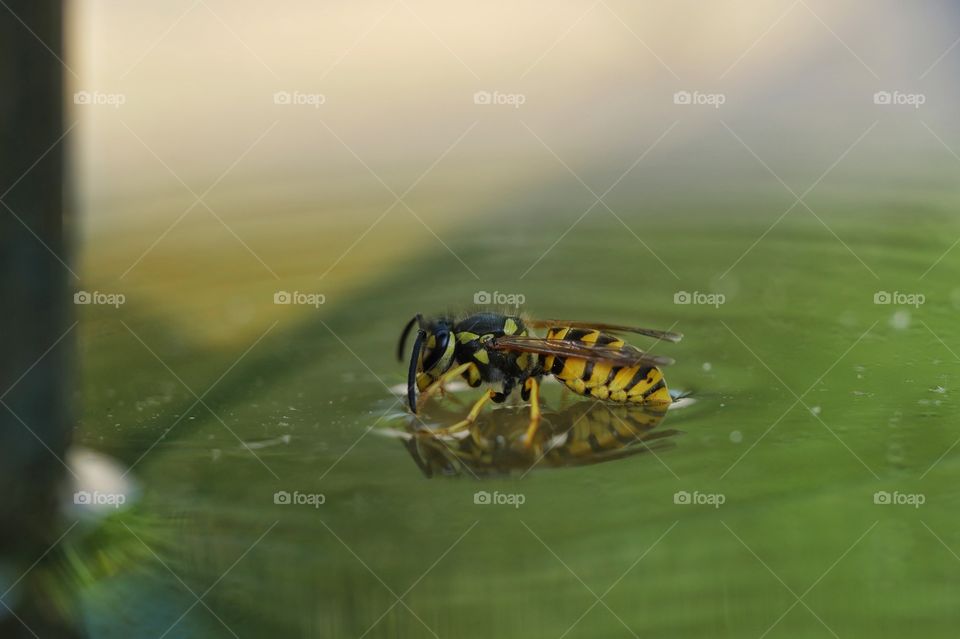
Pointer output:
x,y
35,422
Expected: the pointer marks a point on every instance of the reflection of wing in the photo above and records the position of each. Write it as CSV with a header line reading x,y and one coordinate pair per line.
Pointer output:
x,y
668,336
617,356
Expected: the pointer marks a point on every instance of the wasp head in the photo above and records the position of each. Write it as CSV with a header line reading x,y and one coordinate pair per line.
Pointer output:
x,y
432,354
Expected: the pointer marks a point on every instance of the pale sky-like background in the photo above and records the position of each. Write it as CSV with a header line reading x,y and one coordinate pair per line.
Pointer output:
x,y
398,80
289,193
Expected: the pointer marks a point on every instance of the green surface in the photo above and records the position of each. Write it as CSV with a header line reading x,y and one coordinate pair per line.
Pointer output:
x,y
798,520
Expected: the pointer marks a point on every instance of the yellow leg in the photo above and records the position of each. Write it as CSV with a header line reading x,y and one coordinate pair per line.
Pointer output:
x,y
534,387
438,385
473,414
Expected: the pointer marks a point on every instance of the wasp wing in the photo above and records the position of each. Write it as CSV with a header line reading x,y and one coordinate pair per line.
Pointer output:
x,y
617,356
669,336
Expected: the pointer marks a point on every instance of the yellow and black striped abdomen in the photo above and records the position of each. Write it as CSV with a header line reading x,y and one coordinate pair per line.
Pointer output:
x,y
637,384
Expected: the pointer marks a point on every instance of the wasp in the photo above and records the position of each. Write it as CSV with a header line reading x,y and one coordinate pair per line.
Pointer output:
x,y
498,350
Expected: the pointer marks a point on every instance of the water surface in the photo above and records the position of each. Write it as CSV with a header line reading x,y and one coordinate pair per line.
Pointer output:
x,y
810,398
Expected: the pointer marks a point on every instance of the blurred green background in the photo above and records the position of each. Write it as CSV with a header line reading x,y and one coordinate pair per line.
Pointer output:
x,y
600,197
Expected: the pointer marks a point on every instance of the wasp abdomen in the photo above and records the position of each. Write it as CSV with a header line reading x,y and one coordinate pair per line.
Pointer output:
x,y
636,384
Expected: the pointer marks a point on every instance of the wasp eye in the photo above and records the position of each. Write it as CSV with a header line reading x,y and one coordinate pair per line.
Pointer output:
x,y
439,340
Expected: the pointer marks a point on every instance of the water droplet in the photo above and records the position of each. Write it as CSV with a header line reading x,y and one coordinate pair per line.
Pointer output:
x,y
707,366
900,320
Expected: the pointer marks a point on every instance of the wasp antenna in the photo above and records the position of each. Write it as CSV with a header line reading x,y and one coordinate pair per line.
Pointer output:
x,y
412,372
403,336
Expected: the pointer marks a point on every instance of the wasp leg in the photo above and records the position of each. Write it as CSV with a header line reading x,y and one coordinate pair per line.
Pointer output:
x,y
502,396
472,415
532,387
438,385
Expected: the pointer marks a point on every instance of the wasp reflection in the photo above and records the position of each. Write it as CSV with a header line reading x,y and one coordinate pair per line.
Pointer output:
x,y
582,433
